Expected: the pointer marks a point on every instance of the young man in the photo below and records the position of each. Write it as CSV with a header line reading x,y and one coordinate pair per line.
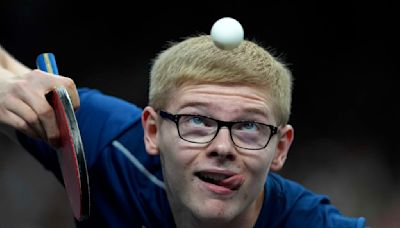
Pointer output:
x,y
199,155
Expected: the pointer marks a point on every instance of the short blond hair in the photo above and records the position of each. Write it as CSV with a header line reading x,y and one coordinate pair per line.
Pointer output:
x,y
196,60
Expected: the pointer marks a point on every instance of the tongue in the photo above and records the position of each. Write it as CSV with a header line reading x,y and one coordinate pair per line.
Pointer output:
x,y
233,182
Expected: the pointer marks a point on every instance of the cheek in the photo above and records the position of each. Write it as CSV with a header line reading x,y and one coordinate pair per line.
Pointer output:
x,y
177,164
173,148
175,156
259,164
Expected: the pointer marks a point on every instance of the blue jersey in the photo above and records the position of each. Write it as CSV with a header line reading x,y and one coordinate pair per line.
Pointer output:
x,y
126,184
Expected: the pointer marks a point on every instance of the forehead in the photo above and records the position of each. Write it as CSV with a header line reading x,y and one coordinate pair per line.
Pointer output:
x,y
222,100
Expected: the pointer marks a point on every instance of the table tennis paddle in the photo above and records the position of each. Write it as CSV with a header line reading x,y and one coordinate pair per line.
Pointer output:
x,y
71,155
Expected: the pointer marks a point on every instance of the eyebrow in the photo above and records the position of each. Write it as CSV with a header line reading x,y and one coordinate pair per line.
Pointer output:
x,y
247,110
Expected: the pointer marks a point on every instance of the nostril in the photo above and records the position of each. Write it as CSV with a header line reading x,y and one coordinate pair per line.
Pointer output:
x,y
222,156
213,154
230,157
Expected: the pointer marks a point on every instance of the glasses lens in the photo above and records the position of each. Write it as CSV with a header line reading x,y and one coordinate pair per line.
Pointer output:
x,y
197,128
250,135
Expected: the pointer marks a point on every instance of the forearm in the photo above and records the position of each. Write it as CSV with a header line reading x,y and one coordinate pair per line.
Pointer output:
x,y
8,62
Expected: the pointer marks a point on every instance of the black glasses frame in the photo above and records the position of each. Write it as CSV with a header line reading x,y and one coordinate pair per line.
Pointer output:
x,y
176,117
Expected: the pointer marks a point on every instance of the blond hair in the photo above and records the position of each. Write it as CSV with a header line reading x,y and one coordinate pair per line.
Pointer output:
x,y
197,60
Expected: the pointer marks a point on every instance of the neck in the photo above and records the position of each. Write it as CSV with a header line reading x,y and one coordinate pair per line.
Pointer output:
x,y
247,219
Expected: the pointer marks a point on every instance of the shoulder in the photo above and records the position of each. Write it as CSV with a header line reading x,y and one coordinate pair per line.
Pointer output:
x,y
102,118
95,100
99,110
293,205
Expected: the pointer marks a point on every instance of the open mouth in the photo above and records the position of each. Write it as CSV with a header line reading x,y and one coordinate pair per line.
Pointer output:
x,y
229,181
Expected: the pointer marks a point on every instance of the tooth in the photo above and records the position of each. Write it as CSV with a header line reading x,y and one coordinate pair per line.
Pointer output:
x,y
215,177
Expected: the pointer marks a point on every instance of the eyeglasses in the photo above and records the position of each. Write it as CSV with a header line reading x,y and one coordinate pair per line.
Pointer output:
x,y
248,135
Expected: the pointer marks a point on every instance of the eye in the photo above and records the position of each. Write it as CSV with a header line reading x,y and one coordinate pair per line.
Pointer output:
x,y
196,121
247,126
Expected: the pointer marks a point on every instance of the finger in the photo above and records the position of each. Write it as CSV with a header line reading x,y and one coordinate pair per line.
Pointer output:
x,y
20,124
51,81
70,86
44,112
25,112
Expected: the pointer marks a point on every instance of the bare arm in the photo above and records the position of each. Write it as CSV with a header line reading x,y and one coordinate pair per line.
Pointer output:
x,y
23,105
8,62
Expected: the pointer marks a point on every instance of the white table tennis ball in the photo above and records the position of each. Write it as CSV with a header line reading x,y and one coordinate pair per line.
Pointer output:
x,y
227,33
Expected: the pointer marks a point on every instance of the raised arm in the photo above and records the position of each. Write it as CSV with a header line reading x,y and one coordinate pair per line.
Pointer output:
x,y
23,105
8,62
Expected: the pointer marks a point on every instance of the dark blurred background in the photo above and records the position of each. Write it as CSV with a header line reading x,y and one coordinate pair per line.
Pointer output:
x,y
341,54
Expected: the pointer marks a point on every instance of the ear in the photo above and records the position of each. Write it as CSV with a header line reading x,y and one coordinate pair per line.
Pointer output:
x,y
285,135
149,122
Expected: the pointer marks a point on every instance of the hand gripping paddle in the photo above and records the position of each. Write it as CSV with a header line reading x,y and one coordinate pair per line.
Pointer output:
x,y
71,155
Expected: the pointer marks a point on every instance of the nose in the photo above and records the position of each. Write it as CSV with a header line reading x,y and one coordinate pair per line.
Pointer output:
x,y
222,147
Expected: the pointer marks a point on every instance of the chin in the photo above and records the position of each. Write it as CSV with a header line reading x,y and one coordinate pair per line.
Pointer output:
x,y
215,211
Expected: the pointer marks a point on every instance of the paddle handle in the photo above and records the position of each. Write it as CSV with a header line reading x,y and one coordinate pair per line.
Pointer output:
x,y
47,62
